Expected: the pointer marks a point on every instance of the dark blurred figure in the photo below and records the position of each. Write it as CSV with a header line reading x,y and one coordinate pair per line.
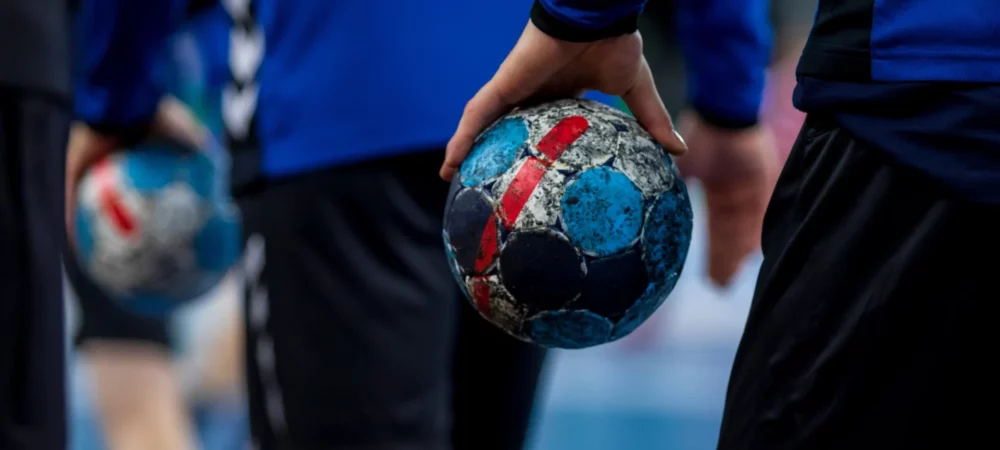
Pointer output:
x,y
34,122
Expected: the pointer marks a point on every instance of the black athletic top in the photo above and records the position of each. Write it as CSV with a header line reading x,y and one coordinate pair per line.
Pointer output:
x,y
35,68
35,45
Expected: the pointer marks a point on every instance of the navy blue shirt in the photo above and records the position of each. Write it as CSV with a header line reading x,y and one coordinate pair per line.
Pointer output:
x,y
915,80
949,132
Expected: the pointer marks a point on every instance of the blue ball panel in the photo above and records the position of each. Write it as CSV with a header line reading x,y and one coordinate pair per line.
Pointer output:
x,y
217,245
465,224
151,168
84,233
201,175
602,211
494,152
669,160
613,284
665,241
541,270
570,329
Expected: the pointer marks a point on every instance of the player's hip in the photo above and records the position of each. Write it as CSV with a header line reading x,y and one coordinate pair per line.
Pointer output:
x,y
868,326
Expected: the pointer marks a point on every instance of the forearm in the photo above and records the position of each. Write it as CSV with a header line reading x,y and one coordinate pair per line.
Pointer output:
x,y
727,48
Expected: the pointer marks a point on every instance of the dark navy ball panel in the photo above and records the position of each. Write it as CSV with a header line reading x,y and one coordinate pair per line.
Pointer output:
x,y
151,168
665,242
649,303
453,191
541,269
602,211
494,152
456,271
570,329
667,234
472,231
613,284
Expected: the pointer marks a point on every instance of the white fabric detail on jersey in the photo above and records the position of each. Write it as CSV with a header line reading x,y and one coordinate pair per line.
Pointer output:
x,y
246,52
254,260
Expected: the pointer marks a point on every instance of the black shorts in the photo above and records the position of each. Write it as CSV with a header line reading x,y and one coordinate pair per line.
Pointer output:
x,y
102,319
356,328
33,132
872,325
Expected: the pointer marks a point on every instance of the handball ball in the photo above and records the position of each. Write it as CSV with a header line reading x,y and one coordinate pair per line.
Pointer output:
x,y
567,225
155,226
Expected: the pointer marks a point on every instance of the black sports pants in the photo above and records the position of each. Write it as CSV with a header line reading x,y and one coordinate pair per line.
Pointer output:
x,y
33,133
873,322
357,337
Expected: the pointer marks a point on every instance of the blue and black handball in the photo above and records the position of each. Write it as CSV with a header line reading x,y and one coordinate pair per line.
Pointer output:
x,y
156,227
567,226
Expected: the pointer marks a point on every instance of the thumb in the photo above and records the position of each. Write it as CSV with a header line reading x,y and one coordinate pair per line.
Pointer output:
x,y
531,63
485,107
645,103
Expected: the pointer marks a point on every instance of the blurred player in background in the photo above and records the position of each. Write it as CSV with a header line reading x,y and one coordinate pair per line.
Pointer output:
x,y
336,117
149,388
872,319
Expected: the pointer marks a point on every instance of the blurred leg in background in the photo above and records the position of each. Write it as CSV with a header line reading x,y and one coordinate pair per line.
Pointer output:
x,y
210,365
154,385
134,389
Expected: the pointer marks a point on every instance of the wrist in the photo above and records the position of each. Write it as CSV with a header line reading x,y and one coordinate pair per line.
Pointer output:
x,y
563,30
124,135
727,122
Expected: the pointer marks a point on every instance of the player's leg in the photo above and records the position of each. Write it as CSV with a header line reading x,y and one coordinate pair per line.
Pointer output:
x,y
33,133
134,386
872,321
494,385
350,308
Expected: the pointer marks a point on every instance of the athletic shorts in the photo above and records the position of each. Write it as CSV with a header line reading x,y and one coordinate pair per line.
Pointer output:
x,y
33,131
103,319
357,335
872,325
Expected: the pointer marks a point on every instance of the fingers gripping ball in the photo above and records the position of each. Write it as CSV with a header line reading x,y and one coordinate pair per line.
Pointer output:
x,y
155,226
567,226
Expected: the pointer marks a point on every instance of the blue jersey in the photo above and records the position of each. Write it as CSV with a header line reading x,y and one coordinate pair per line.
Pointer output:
x,y
321,82
916,80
